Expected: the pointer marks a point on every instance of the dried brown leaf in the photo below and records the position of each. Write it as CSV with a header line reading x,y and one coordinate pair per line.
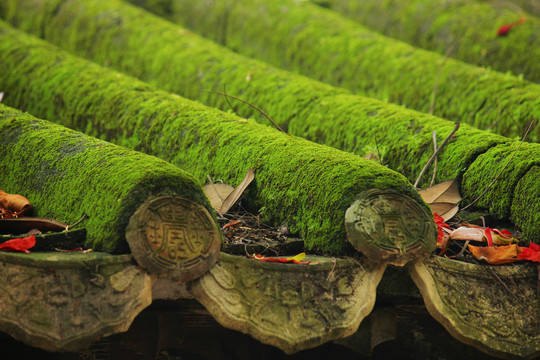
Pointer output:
x,y
444,209
13,203
235,195
217,193
445,192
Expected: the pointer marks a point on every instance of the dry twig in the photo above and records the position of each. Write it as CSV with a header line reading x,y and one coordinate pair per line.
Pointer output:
x,y
435,154
84,216
250,104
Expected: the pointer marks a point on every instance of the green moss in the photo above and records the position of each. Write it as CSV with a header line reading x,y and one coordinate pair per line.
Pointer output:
x,y
327,47
66,174
437,25
305,185
500,197
310,109
524,210
532,7
177,60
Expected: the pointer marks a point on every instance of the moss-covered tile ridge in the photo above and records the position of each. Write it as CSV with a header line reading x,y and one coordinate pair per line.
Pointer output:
x,y
180,61
465,29
66,174
524,210
298,183
513,161
325,46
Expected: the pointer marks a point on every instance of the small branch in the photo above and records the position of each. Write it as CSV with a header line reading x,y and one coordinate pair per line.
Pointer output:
x,y
501,171
463,248
434,161
84,216
250,104
435,154
229,103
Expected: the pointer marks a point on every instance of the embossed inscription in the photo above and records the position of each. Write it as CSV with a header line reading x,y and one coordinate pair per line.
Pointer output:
x,y
384,224
175,235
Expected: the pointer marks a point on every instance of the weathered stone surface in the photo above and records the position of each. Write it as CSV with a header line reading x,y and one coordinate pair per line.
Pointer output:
x,y
388,226
292,307
494,308
167,289
63,302
174,236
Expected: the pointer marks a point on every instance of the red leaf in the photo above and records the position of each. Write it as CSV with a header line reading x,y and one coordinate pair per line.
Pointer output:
x,y
19,245
439,221
487,234
531,253
503,30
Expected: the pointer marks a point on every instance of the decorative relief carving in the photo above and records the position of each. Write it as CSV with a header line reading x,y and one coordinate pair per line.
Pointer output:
x,y
64,301
495,308
174,236
293,307
388,226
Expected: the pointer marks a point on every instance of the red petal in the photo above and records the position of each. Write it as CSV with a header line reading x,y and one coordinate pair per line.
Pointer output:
x,y
487,234
531,253
505,233
440,237
19,245
503,30
440,221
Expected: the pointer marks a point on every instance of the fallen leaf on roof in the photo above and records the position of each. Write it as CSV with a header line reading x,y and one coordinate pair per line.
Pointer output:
x,y
505,29
19,244
217,193
238,191
442,228
443,198
13,204
496,255
487,235
297,259
531,253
